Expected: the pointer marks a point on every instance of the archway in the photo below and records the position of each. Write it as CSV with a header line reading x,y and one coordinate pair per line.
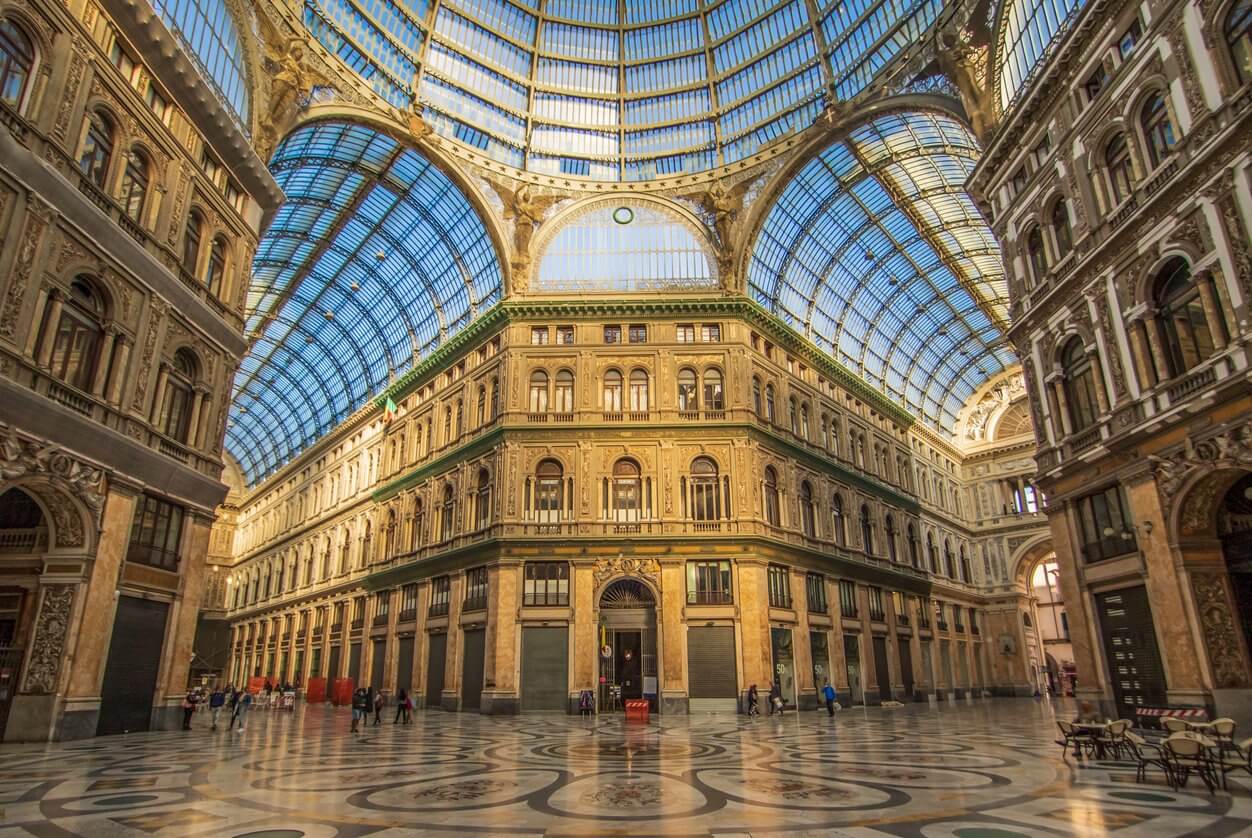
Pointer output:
x,y
23,537
1234,529
627,648
1051,628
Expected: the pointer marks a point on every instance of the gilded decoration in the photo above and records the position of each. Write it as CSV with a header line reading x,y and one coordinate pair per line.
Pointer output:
x,y
998,396
526,210
48,639
292,80
609,567
1220,632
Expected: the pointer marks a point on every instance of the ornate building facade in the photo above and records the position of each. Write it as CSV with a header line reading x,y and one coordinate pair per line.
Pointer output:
x,y
1119,185
130,204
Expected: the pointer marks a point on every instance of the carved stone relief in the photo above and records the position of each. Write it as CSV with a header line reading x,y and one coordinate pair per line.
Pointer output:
x,y
37,222
1232,449
608,567
73,81
48,639
1219,627
149,351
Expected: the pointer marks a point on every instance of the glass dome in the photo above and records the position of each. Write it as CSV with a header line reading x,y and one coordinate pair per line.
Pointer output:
x,y
613,90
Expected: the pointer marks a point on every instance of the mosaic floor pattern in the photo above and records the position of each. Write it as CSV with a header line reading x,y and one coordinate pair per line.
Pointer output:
x,y
986,769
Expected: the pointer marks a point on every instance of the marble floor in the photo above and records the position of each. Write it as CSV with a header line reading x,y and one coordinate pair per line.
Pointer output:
x,y
985,769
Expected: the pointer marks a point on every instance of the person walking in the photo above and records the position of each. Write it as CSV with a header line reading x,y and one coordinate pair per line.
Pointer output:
x,y
402,707
378,707
217,699
775,699
360,706
189,707
754,701
828,693
242,704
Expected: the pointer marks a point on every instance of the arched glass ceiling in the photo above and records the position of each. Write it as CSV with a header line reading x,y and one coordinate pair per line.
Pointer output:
x,y
617,89
209,35
1027,31
375,259
876,253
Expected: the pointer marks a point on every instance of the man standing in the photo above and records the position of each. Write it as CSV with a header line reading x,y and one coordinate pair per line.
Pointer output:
x,y
217,699
828,692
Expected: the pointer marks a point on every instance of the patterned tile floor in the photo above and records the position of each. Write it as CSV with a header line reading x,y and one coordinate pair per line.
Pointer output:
x,y
987,769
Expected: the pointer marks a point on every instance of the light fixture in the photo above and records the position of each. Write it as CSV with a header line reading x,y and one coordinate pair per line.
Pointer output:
x,y
381,255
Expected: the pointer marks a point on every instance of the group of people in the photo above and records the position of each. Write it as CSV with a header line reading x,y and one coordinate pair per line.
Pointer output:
x,y
221,698
776,703
366,699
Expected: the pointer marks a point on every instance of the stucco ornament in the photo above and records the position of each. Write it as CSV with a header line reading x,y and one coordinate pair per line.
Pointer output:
x,y
23,458
526,210
998,396
1220,629
607,568
292,81
48,642
1229,450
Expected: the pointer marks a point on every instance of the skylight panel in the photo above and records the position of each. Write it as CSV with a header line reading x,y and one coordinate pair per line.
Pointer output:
x,y
583,42
664,40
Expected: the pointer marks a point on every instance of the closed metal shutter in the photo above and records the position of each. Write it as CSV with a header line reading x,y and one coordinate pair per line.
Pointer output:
x,y
332,667
906,666
712,676
472,669
354,664
1130,646
881,668
434,669
378,663
404,666
130,673
545,668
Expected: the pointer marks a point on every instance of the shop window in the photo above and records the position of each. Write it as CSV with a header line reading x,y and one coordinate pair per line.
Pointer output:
x,y
1104,525
155,533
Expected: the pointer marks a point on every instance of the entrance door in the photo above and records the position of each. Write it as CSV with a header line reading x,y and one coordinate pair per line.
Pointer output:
x,y
712,677
784,664
881,668
628,663
820,653
1130,647
130,672
378,663
545,668
906,666
945,663
628,626
404,666
472,670
332,670
852,660
435,662
354,664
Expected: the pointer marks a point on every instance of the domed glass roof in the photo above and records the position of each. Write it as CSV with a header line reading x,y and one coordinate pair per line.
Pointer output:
x,y
617,89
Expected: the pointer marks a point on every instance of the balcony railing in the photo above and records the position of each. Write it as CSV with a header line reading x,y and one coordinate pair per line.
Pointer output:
x,y
380,619
1189,384
902,620
23,541
942,624
478,603
72,399
438,609
1083,440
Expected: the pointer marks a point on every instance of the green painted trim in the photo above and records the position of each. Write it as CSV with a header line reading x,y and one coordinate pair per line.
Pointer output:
x,y
591,308
456,455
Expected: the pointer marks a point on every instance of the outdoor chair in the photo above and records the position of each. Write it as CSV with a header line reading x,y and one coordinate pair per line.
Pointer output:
x,y
1237,756
1146,755
1071,737
1188,753
1174,725
1113,739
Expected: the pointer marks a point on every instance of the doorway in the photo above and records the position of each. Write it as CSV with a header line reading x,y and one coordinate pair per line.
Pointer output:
x,y
784,664
627,653
1234,527
852,661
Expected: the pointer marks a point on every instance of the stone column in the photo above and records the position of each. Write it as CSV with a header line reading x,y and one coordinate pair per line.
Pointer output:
x,y
673,664
94,631
1212,310
583,590
838,663
922,688
500,661
869,668
1093,683
895,666
56,303
201,440
1160,359
801,649
391,654
420,642
104,357
1144,370
117,376
193,424
34,709
1097,379
158,394
32,337
754,627
452,668
181,625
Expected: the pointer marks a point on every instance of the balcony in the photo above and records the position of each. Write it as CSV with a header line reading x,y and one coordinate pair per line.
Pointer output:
x,y
1188,384
23,541
1084,439
336,628
478,603
358,623
408,615
877,616
960,629
380,619
942,624
902,620
438,609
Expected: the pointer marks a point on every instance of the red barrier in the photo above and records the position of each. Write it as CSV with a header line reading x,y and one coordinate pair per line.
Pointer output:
x,y
341,691
637,710
315,691
256,684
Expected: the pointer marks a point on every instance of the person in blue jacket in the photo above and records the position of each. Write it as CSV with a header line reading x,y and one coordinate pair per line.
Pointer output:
x,y
828,693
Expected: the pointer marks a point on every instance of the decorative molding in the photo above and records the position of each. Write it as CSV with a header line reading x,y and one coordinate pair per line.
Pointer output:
x,y
1212,602
1231,449
149,350
610,566
69,94
38,219
48,639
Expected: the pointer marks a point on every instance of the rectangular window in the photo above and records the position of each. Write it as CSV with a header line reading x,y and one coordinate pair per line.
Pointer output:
x,y
876,610
901,605
1042,150
1095,83
957,620
638,333
708,583
923,613
155,533
1104,525
779,587
941,616
711,333
337,624
612,334
358,612
686,333
815,592
475,589
382,607
408,602
539,336
847,598
440,592
1126,43
565,335
1019,180
547,584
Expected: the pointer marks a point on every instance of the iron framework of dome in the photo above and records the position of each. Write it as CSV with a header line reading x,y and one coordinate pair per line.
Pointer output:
x,y
617,90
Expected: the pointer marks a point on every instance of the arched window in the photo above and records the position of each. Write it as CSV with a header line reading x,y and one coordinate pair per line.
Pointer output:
x,y
447,513
949,561
389,536
416,520
549,495
538,392
965,574
563,392
191,241
705,490
612,391
1158,130
771,497
345,551
626,496
804,421
770,414
482,500
638,391
890,532
932,553
1061,231
756,398
215,270
1079,382
1186,333
176,412
134,193
687,395
97,148
1036,255
1117,167
77,340
793,417
915,557
806,509
495,399
867,530
839,525
1239,38
17,59
714,396
480,411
